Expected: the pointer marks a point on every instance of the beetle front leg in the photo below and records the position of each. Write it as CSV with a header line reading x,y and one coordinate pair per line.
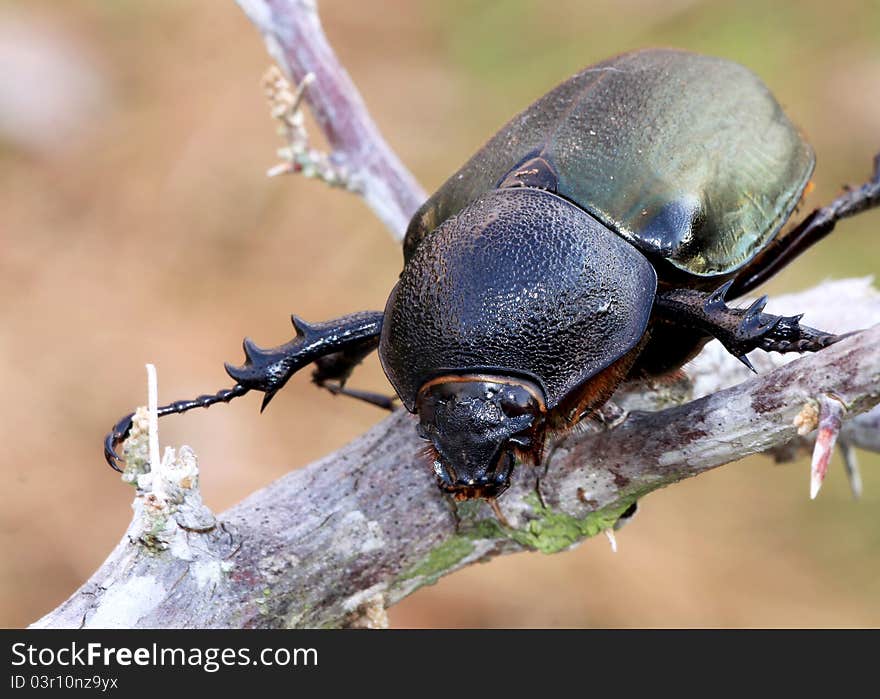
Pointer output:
x,y
740,330
267,370
348,339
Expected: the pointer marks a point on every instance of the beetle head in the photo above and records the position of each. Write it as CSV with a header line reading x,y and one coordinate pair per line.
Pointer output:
x,y
475,425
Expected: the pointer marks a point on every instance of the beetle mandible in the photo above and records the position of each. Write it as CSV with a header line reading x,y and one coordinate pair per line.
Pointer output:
x,y
596,237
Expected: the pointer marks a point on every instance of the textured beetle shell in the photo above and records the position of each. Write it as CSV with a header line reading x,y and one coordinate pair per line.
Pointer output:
x,y
688,157
524,283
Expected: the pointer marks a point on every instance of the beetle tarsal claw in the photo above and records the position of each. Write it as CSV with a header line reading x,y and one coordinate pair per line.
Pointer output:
x,y
119,432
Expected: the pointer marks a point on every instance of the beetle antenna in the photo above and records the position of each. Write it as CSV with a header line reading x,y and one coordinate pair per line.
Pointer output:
x,y
122,428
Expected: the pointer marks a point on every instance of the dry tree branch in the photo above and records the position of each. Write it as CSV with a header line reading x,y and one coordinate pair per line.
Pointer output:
x,y
336,543
361,158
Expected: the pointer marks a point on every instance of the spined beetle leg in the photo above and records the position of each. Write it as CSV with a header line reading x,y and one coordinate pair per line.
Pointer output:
x,y
740,330
336,346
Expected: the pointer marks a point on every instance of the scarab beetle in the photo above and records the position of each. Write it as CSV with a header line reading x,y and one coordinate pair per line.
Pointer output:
x,y
596,237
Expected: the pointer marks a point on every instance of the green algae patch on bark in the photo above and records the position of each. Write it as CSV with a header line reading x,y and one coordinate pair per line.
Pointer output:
x,y
441,559
549,530
555,531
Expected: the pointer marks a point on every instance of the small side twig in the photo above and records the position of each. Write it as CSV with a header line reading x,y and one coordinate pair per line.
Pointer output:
x,y
297,155
153,416
295,39
831,412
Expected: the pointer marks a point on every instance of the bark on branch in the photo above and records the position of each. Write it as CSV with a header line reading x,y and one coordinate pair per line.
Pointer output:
x,y
339,541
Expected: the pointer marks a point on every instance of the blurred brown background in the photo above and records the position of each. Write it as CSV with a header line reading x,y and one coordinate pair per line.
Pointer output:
x,y
136,224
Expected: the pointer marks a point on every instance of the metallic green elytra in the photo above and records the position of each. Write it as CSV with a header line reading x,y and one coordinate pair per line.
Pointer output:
x,y
688,157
